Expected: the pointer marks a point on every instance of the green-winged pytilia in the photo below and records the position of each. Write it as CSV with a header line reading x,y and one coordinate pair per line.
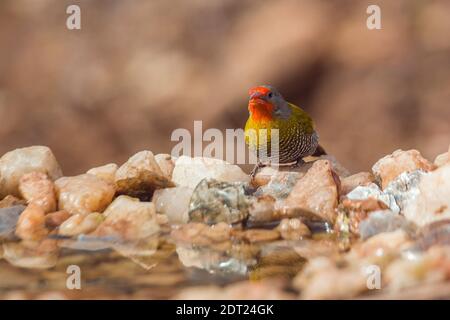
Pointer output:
x,y
297,137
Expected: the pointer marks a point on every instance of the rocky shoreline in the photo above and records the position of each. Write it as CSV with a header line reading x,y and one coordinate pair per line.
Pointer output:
x,y
200,228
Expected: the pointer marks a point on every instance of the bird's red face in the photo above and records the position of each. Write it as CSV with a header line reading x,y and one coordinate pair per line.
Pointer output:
x,y
259,104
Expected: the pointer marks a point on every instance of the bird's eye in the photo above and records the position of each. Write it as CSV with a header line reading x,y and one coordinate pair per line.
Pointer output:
x,y
270,95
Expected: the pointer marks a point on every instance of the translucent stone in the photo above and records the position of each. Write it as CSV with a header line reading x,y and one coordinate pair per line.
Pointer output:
x,y
373,191
16,163
214,201
174,203
166,163
106,172
81,223
190,171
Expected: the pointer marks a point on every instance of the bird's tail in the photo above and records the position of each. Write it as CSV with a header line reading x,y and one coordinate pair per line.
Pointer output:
x,y
320,151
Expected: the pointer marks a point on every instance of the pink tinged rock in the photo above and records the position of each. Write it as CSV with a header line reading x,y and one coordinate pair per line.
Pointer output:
x,y
129,219
37,188
31,223
166,163
433,201
359,179
106,172
174,203
140,176
85,193
388,168
442,159
81,223
16,163
189,171
316,192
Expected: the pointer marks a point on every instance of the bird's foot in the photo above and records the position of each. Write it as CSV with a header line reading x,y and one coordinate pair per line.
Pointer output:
x,y
257,166
300,162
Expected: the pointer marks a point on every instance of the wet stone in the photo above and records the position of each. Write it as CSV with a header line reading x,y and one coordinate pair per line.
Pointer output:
x,y
214,201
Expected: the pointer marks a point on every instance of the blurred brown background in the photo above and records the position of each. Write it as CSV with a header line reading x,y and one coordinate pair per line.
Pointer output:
x,y
137,70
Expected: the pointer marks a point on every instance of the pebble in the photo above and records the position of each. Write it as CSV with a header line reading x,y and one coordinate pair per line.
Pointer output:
x,y
37,188
85,193
16,163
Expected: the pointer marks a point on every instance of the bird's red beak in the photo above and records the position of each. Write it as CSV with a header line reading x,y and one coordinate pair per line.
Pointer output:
x,y
256,95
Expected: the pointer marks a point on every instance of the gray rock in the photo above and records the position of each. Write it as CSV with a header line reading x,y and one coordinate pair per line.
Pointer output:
x,y
8,220
214,201
383,221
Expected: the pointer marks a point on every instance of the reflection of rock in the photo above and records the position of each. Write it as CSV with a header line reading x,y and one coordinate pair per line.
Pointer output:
x,y
84,194
140,176
293,229
425,268
174,203
190,171
383,221
214,201
36,255
31,223
389,167
433,201
80,223
16,163
129,219
213,248
106,172
37,188
322,278
247,290
383,244
8,220
317,191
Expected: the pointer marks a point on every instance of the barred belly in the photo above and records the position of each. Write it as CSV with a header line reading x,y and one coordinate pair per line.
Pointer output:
x,y
291,147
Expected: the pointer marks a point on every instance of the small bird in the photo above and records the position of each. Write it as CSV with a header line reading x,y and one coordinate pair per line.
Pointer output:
x,y
297,137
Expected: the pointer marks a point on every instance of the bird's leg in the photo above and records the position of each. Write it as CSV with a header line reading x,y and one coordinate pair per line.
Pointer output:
x,y
299,163
256,168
